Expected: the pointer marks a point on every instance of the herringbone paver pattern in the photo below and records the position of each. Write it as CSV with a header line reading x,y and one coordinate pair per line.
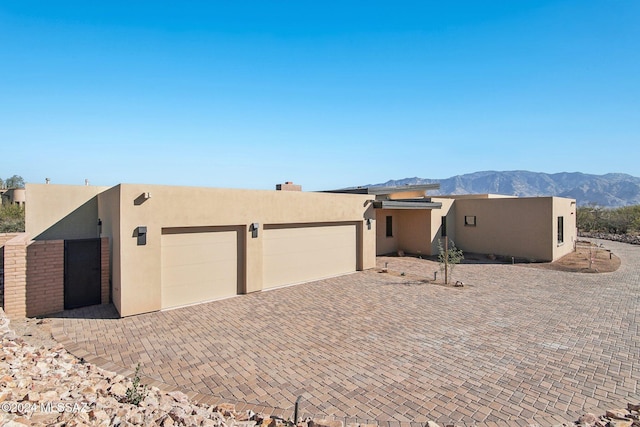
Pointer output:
x,y
516,345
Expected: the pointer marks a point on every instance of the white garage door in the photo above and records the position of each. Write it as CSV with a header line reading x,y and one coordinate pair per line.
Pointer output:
x,y
302,254
198,267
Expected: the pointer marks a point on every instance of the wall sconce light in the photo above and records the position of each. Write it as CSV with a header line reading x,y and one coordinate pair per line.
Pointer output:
x,y
368,223
254,229
141,233
99,227
142,198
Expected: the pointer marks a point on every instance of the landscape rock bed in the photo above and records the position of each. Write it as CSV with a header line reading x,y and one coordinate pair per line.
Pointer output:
x,y
50,387
623,238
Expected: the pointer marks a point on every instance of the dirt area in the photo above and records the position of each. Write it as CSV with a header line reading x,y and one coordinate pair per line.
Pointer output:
x,y
587,258
412,279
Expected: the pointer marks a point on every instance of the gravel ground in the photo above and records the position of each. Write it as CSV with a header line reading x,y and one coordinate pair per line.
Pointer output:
x,y
36,332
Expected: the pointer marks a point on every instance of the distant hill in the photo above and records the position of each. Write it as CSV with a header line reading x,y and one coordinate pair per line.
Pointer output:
x,y
610,190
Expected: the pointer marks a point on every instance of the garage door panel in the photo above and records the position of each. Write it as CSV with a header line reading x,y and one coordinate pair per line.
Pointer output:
x,y
300,254
201,254
198,267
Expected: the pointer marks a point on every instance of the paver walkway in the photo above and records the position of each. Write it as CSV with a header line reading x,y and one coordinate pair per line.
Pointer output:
x,y
516,345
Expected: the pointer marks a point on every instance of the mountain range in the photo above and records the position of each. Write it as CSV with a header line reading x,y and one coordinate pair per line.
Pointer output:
x,y
609,190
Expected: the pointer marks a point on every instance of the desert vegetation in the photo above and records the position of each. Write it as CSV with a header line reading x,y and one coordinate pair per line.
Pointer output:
x,y
11,218
622,220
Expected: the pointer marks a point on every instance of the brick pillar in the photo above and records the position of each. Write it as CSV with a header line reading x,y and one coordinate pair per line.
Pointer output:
x,y
15,276
45,277
104,270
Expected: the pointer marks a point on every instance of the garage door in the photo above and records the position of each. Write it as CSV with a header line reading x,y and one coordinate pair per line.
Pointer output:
x,y
302,254
198,267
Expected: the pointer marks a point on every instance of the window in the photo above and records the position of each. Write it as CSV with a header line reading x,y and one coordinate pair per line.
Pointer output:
x,y
389,226
470,220
560,229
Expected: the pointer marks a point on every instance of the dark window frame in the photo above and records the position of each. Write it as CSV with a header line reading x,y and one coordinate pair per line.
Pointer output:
x,y
470,220
389,226
560,230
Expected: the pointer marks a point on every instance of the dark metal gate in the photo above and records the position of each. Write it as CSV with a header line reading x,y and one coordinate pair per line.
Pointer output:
x,y
81,273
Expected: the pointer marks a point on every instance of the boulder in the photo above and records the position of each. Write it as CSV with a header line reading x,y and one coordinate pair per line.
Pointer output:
x,y
325,423
617,413
588,420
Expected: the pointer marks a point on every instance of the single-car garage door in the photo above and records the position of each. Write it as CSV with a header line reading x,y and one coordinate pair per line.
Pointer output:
x,y
304,253
198,266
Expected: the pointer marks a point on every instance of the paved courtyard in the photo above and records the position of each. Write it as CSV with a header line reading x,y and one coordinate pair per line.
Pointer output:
x,y
516,345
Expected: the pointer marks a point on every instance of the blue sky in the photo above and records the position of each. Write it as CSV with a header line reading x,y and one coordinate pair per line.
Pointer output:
x,y
325,94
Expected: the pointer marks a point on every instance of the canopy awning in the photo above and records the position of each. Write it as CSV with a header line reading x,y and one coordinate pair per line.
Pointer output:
x,y
405,204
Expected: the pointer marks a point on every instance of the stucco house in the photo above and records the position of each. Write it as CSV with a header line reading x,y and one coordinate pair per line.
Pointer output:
x,y
153,247
533,228
13,196
170,246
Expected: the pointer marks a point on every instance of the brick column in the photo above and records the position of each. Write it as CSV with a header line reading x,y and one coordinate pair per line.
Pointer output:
x,y
104,270
15,276
45,277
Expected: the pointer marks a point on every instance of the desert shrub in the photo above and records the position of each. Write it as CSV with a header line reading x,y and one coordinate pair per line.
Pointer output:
x,y
453,256
11,218
621,220
136,393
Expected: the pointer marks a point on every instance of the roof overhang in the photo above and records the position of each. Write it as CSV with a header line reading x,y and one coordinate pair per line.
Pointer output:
x,y
406,204
386,190
403,188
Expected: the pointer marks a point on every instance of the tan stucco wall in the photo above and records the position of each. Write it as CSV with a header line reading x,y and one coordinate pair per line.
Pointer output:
x,y
411,231
61,211
386,244
567,209
109,214
137,276
519,227
448,210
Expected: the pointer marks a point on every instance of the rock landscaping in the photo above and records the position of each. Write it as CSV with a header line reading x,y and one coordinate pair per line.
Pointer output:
x,y
624,238
47,386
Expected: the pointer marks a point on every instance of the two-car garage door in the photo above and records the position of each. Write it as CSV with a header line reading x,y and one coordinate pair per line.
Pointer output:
x,y
295,254
201,264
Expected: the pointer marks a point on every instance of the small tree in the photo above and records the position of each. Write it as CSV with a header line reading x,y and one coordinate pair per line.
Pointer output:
x,y
15,181
449,258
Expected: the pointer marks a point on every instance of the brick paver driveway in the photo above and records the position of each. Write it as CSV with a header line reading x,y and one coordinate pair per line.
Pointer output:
x,y
516,345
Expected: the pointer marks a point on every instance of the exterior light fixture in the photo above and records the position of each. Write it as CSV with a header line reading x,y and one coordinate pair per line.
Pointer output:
x,y
141,234
254,229
142,198
368,223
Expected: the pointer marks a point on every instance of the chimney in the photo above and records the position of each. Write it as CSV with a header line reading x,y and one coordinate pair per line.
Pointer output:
x,y
288,186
